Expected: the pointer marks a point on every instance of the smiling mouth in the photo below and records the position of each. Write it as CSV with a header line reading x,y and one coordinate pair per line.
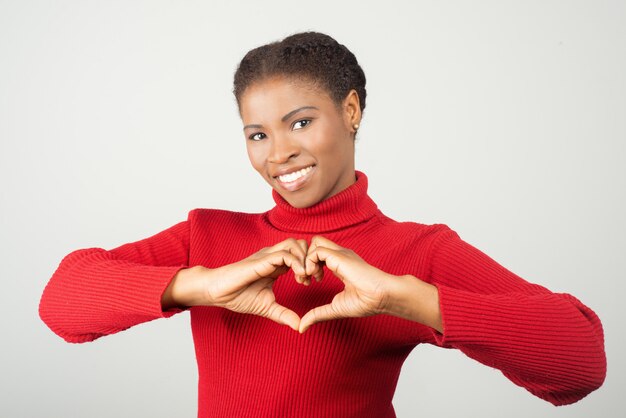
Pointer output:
x,y
295,180
291,177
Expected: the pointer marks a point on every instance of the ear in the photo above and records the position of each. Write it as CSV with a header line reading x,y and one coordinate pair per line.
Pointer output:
x,y
351,107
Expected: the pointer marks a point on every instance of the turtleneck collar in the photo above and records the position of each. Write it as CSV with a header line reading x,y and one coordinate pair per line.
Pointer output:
x,y
348,207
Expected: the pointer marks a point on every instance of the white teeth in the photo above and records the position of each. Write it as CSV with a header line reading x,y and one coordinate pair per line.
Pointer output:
x,y
288,178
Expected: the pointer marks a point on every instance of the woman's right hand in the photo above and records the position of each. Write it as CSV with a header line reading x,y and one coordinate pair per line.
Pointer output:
x,y
244,286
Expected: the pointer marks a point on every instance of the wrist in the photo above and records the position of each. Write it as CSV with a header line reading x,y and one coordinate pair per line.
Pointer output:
x,y
186,289
413,299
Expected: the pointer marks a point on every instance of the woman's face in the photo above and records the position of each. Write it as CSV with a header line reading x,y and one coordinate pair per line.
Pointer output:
x,y
298,139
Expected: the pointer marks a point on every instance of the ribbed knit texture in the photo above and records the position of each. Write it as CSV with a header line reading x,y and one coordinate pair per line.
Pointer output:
x,y
551,344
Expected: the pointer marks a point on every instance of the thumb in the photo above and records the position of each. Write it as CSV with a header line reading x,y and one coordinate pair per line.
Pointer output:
x,y
318,314
283,316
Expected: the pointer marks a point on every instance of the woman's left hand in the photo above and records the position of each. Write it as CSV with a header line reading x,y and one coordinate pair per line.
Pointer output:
x,y
366,287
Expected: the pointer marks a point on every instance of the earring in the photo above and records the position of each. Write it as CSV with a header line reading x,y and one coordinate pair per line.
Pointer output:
x,y
355,126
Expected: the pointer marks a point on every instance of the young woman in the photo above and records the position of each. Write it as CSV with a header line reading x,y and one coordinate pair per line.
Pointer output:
x,y
311,308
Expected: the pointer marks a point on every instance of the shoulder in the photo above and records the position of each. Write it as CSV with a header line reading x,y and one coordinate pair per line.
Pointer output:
x,y
409,238
415,230
202,215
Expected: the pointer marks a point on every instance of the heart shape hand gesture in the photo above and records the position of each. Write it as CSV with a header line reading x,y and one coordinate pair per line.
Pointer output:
x,y
246,286
367,289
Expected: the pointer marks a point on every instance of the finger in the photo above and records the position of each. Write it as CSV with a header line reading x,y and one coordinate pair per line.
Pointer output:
x,y
306,280
296,247
271,263
292,245
283,316
304,245
320,241
288,259
331,258
315,268
318,314
312,265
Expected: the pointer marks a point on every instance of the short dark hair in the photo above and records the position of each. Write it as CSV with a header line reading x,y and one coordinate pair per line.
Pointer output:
x,y
314,56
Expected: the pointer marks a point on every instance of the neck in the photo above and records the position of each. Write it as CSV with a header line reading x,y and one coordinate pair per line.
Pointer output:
x,y
349,207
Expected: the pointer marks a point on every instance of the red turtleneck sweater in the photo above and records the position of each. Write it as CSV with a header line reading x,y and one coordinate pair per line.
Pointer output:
x,y
551,344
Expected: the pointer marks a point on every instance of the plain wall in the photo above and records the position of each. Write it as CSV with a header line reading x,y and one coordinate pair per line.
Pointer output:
x,y
504,120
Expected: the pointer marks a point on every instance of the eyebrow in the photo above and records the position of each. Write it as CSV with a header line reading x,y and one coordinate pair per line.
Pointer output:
x,y
293,112
284,118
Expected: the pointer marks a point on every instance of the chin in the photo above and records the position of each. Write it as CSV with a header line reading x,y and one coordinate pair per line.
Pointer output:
x,y
300,202
302,198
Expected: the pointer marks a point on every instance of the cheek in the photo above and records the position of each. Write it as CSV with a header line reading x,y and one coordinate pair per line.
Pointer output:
x,y
256,156
253,157
333,142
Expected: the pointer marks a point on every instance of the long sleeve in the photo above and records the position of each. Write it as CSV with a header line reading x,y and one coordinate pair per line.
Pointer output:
x,y
549,343
95,292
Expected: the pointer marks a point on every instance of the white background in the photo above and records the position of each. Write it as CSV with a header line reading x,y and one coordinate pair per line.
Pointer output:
x,y
505,120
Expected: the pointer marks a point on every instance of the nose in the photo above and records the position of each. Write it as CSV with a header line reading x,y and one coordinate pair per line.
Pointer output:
x,y
283,149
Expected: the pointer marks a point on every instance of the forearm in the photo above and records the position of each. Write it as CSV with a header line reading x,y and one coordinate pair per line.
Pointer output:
x,y
93,294
549,343
187,288
415,300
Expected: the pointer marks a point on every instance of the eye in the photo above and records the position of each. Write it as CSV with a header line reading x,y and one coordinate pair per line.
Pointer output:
x,y
301,123
257,136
